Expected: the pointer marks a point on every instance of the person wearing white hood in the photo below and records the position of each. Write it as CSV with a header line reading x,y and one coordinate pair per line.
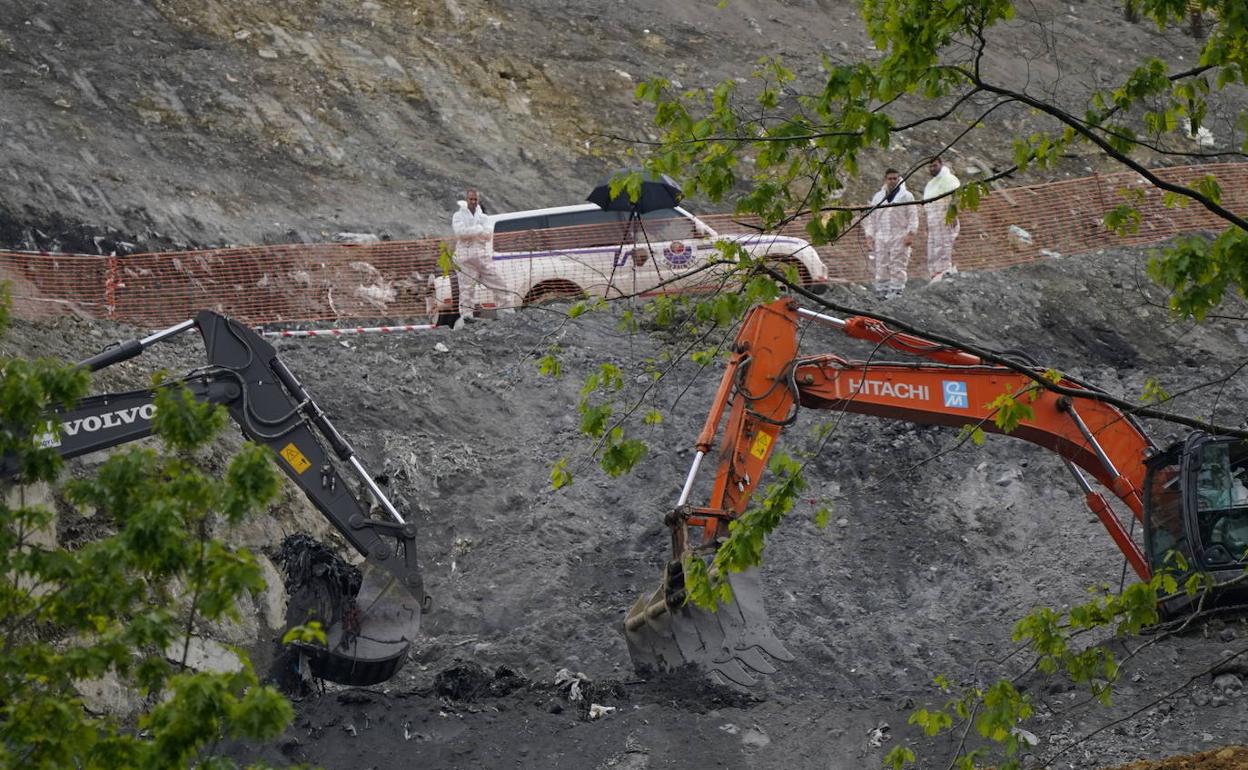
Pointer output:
x,y
940,234
889,229
474,253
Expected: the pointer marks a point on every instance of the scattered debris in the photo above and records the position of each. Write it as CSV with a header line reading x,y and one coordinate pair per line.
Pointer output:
x,y
345,237
1018,237
1203,137
879,735
571,683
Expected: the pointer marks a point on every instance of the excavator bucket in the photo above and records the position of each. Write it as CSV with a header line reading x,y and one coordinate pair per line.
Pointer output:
x,y
733,644
368,619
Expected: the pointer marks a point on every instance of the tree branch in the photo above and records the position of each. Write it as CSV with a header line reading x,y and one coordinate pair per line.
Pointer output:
x,y
1064,117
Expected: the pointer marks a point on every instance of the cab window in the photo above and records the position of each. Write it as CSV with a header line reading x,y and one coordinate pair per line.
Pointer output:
x,y
1165,516
1222,501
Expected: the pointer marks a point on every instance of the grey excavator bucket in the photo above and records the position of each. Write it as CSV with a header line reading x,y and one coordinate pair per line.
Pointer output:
x,y
368,619
733,644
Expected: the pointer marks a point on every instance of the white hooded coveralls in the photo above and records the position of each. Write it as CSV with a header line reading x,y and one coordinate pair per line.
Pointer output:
x,y
887,227
940,235
474,255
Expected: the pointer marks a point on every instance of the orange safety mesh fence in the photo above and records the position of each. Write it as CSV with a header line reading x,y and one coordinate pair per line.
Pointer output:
x,y
400,279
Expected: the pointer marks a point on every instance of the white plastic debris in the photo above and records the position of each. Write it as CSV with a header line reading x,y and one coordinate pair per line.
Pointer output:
x,y
345,237
1019,236
878,735
1026,737
1203,136
571,681
597,711
441,348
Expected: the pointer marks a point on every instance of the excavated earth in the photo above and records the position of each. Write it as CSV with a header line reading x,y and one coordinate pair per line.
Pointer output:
x,y
155,124
933,551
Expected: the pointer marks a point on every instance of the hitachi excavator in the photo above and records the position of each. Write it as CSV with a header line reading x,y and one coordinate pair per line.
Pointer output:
x,y
369,619
1191,498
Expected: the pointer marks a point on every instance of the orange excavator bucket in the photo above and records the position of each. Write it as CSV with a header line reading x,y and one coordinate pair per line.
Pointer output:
x,y
733,644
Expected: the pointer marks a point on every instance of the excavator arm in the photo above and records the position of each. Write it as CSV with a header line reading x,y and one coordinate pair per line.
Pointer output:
x,y
764,384
368,623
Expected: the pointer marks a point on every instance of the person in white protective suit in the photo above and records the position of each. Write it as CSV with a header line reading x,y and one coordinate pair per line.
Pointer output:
x,y
940,234
889,230
474,254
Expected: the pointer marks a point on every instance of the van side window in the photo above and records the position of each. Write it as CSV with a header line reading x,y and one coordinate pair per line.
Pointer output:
x,y
587,229
520,234
519,223
668,225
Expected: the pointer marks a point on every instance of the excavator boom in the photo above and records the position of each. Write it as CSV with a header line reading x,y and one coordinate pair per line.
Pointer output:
x,y
369,629
764,384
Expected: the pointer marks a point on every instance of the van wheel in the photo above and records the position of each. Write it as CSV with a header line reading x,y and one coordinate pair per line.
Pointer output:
x,y
782,264
553,291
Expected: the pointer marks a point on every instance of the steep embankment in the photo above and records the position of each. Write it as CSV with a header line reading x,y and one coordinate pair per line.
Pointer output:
x,y
172,121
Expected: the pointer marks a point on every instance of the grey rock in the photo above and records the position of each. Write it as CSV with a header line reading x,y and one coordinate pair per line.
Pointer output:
x,y
1229,685
755,738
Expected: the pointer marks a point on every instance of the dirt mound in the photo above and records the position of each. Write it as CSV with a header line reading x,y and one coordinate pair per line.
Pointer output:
x,y
1228,758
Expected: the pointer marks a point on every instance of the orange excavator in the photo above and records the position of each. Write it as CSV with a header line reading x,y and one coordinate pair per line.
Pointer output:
x,y
1191,498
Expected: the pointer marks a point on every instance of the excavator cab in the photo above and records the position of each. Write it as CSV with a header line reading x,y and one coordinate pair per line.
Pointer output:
x,y
1197,506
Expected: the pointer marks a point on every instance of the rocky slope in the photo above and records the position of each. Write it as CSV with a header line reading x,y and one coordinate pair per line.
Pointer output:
x,y
164,122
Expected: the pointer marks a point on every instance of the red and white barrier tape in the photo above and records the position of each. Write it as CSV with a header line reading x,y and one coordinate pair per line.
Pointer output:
x,y
349,330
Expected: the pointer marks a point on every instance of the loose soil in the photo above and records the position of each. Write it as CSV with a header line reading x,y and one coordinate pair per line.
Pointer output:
x,y
934,549
1228,758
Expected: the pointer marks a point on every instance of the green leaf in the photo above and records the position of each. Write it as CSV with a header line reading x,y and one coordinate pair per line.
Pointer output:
x,y
560,476
822,516
549,365
898,757
309,633
446,259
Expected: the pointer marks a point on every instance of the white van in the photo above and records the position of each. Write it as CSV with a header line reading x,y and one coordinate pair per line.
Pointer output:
x,y
583,250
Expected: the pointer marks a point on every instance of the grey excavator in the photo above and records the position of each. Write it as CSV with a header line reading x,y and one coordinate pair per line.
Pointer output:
x,y
370,617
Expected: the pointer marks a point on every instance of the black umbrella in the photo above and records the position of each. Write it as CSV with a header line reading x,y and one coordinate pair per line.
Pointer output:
x,y
659,192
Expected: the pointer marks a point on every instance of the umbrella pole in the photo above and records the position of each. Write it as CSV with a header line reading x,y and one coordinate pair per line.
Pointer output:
x,y
641,225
